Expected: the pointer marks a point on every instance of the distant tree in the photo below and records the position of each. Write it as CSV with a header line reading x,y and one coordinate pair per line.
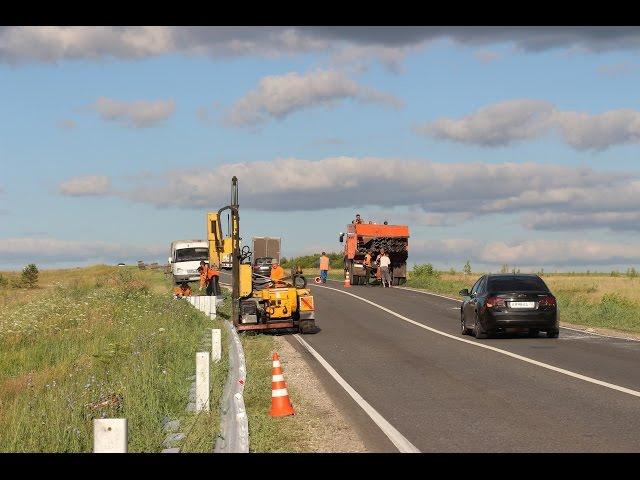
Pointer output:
x,y
615,273
452,271
504,268
588,272
30,276
518,271
3,281
632,273
425,270
467,268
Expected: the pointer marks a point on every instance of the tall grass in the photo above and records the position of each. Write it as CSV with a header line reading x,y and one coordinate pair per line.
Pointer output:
x,y
94,343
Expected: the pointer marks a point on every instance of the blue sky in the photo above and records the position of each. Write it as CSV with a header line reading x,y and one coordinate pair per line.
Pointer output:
x,y
85,180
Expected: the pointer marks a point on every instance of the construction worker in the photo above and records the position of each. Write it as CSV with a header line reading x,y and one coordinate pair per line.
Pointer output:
x,y
184,290
357,220
324,267
209,277
367,266
385,261
277,272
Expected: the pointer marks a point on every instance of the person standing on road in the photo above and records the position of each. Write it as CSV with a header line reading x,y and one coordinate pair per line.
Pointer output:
x,y
324,267
367,267
385,276
357,220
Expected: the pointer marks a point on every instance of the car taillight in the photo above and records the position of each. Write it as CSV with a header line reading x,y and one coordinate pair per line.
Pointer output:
x,y
547,301
495,302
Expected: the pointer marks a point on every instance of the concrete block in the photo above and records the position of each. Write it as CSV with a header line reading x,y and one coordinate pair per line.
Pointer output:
x,y
171,450
216,345
202,381
172,439
172,426
110,435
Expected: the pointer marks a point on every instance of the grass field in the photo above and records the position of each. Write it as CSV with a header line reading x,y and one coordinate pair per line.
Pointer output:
x,y
594,300
99,342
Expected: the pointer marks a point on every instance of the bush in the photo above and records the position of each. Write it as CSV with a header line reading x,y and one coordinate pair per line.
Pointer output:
x,y
30,276
336,261
3,281
425,270
632,273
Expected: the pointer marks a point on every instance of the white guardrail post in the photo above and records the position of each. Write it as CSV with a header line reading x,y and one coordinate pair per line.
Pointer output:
x,y
216,346
202,381
110,435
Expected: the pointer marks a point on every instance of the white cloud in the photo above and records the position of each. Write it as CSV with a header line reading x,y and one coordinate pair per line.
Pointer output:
x,y
616,221
280,95
85,186
515,120
498,124
137,114
352,182
20,251
560,253
54,43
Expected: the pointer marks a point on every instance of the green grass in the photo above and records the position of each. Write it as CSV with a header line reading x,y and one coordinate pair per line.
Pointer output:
x,y
96,343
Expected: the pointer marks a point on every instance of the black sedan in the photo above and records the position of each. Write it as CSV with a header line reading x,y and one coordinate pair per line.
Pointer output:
x,y
498,303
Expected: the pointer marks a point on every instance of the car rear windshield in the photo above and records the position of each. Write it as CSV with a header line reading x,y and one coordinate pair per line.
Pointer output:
x,y
516,284
192,254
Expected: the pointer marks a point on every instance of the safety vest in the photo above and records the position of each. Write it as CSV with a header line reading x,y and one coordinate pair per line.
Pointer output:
x,y
277,273
324,263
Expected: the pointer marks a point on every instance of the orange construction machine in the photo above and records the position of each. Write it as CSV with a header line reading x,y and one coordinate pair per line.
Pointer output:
x,y
372,237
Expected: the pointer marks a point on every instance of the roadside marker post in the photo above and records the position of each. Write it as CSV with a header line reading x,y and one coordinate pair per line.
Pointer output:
x,y
202,381
216,345
110,435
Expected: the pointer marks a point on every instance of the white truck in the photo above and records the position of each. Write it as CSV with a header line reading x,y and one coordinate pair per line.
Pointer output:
x,y
185,259
226,261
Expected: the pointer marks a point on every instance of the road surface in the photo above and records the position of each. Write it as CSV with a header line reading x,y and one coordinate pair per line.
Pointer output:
x,y
577,393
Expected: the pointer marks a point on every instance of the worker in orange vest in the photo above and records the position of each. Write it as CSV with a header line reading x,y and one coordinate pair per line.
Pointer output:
x,y
184,290
209,277
324,267
367,267
277,272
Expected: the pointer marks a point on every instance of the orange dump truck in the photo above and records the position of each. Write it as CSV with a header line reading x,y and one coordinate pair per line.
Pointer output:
x,y
370,237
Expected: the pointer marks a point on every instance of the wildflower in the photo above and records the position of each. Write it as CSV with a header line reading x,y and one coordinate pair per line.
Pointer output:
x,y
161,329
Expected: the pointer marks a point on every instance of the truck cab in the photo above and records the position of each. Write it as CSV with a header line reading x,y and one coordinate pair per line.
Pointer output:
x,y
185,259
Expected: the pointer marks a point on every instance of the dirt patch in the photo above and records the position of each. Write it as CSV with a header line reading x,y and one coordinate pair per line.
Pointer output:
x,y
328,429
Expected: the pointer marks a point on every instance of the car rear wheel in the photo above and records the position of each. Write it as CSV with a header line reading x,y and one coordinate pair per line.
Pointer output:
x,y
478,332
553,334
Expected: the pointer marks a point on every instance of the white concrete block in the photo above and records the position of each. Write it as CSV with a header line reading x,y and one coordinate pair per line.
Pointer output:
x,y
110,435
216,345
202,381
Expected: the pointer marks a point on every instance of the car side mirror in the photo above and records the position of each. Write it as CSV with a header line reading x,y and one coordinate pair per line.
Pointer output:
x,y
341,239
169,259
464,292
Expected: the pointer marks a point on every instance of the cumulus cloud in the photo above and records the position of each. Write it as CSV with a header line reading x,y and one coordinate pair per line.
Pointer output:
x,y
560,253
280,95
616,221
90,185
53,43
499,124
515,120
19,251
137,114
344,181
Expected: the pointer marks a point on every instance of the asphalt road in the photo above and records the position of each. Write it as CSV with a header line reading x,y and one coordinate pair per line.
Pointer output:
x,y
444,395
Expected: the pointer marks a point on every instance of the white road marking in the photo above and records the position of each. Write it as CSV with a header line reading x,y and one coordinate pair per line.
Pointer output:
x,y
402,444
612,386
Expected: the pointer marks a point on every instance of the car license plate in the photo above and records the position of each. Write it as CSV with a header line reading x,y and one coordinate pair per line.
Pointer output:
x,y
522,304
191,271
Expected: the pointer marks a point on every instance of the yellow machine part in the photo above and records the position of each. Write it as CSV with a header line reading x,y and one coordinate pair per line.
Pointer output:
x,y
227,246
285,301
246,282
215,243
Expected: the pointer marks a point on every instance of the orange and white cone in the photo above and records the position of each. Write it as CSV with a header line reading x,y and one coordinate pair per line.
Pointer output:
x,y
347,280
280,404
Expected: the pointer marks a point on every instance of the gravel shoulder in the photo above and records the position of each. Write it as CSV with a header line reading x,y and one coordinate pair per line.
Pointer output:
x,y
328,428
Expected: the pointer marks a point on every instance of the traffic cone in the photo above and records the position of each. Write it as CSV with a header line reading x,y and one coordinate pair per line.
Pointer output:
x,y
280,404
347,280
